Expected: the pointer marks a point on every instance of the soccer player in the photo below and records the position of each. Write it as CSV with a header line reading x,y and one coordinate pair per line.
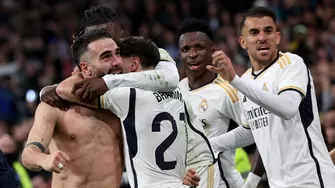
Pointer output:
x,y
280,108
164,77
156,138
213,100
85,144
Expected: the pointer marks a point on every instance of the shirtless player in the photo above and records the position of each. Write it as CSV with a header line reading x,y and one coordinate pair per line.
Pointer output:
x,y
81,141
165,71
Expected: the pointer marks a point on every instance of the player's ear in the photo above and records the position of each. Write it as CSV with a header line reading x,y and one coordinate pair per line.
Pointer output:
x,y
242,42
85,68
135,63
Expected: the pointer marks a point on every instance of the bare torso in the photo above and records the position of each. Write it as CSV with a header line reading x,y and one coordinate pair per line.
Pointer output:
x,y
92,139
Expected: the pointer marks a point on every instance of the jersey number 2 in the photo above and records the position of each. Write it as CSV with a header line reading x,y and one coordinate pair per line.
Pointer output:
x,y
159,153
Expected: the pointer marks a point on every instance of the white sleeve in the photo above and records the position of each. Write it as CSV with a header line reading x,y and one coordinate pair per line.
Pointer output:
x,y
116,100
165,77
292,86
239,137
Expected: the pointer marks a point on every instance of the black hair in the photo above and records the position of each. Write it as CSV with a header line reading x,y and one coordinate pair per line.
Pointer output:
x,y
81,43
141,47
258,12
96,15
195,25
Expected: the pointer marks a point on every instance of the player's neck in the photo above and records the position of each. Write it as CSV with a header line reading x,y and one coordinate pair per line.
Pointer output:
x,y
196,82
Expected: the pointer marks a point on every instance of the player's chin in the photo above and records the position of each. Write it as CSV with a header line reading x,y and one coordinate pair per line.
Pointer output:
x,y
264,58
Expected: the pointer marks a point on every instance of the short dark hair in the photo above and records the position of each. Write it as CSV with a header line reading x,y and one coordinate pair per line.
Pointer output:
x,y
195,25
96,15
80,45
141,47
258,12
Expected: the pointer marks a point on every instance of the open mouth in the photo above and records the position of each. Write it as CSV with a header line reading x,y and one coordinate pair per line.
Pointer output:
x,y
263,48
194,66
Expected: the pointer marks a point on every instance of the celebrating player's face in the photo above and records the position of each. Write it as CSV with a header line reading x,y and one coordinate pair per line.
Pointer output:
x,y
195,50
260,38
105,57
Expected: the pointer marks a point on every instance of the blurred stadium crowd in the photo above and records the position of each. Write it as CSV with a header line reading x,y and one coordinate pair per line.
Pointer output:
x,y
35,38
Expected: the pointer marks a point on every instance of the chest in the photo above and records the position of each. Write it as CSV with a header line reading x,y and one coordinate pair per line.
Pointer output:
x,y
79,122
258,117
213,121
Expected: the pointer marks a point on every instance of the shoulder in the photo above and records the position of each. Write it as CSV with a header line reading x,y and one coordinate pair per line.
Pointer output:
x,y
183,83
45,108
47,112
288,59
247,73
222,88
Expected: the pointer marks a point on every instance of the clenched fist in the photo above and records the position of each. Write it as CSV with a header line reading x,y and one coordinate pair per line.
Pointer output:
x,y
222,65
56,162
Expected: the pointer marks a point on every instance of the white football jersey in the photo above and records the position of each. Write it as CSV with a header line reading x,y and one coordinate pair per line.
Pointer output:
x,y
293,151
216,105
155,135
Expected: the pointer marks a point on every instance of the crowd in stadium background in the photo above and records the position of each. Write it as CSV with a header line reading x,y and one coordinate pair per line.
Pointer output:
x,y
35,39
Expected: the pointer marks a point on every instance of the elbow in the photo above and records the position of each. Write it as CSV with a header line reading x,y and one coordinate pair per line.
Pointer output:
x,y
26,162
172,80
289,114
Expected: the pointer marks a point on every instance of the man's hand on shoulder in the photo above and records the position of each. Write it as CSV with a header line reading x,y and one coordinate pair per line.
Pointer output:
x,y
89,89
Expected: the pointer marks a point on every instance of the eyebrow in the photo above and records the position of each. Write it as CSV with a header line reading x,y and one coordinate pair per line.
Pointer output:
x,y
193,44
105,53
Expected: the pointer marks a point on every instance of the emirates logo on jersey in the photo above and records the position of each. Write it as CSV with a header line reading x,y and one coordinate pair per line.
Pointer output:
x,y
203,106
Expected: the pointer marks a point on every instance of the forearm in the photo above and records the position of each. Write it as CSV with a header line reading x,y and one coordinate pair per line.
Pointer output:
x,y
165,77
284,105
239,137
32,158
64,89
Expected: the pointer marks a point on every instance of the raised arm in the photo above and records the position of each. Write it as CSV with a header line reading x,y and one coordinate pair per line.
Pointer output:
x,y
294,79
164,77
33,156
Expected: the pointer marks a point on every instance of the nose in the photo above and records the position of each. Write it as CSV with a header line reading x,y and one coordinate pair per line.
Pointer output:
x,y
192,53
117,62
262,36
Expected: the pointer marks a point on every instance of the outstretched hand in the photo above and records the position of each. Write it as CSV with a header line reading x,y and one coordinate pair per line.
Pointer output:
x,y
89,89
222,65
